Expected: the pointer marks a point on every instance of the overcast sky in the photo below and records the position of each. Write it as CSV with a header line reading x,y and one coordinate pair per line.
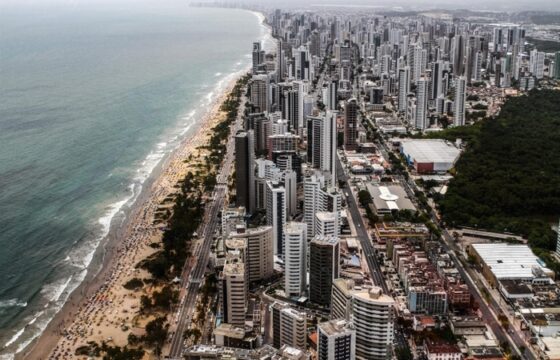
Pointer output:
x,y
501,5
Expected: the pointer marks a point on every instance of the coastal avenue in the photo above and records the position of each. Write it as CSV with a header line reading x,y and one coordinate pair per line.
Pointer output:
x,y
208,227
197,275
361,231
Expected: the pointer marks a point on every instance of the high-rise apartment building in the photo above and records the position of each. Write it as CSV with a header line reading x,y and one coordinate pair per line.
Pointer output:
x,y
295,259
319,197
321,141
404,88
351,124
276,214
259,257
436,80
458,54
234,292
557,65
258,56
324,267
289,327
332,95
259,92
460,100
326,224
341,298
244,170
422,104
336,340
373,317
536,63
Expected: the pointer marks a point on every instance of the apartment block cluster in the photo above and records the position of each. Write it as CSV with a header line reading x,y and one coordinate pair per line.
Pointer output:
x,y
287,228
431,283
286,225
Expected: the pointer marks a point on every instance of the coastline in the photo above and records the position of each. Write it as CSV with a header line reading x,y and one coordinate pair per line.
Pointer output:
x,y
107,256
159,184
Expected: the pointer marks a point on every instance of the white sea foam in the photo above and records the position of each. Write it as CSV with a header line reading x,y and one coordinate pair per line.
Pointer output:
x,y
35,318
12,303
56,295
15,337
52,292
110,212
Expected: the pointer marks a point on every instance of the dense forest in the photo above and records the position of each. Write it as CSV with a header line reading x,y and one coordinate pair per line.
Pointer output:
x,y
544,45
508,178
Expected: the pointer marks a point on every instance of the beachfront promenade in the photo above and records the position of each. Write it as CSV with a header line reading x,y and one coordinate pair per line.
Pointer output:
x,y
190,281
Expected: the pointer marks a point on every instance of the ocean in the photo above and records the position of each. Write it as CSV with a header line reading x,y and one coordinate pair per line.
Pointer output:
x,y
92,98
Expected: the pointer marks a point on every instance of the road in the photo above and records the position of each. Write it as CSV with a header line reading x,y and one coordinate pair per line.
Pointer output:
x,y
367,247
210,224
197,275
488,311
361,232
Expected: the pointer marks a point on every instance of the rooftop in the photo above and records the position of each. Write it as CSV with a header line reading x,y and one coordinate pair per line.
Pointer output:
x,y
325,216
391,197
234,268
373,294
509,261
230,331
294,313
441,348
235,243
430,150
334,327
330,240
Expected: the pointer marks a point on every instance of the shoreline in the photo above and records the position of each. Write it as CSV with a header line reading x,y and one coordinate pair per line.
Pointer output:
x,y
157,186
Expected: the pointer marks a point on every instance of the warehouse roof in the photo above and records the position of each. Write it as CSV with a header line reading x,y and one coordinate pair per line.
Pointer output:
x,y
508,261
430,151
390,197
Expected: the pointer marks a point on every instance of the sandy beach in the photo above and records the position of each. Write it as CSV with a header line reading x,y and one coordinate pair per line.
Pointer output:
x,y
101,309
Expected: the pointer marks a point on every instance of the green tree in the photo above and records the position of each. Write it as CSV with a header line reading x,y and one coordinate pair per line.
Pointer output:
x,y
364,197
156,332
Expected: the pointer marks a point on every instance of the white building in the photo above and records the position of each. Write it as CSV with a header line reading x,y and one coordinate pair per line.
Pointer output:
x,y
276,213
430,155
373,317
295,259
341,298
259,257
234,292
404,88
460,100
336,340
502,261
318,197
231,218
442,351
536,63
421,117
326,224
289,327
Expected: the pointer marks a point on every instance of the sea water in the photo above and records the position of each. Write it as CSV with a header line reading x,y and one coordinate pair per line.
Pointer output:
x,y
92,98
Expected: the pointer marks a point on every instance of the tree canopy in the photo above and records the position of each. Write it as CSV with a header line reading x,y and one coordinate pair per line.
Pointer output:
x,y
508,178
